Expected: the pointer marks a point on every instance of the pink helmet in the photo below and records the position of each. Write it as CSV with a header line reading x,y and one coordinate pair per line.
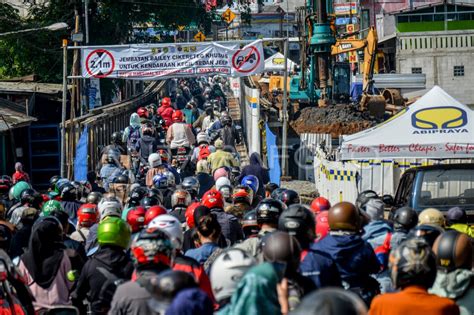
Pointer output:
x,y
220,172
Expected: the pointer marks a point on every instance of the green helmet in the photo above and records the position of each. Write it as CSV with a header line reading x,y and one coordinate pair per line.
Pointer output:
x,y
114,231
19,188
50,206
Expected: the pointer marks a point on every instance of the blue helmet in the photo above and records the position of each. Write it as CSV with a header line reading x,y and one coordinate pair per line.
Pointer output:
x,y
250,181
160,181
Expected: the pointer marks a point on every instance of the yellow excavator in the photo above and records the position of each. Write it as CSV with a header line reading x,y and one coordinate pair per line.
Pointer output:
x,y
374,103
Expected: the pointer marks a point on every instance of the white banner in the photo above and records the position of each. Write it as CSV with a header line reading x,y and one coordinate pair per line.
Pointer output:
x,y
161,61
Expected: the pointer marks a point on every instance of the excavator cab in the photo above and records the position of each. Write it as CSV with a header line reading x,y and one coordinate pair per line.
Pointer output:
x,y
341,82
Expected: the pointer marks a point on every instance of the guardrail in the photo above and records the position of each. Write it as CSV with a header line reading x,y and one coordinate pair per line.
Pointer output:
x,y
101,123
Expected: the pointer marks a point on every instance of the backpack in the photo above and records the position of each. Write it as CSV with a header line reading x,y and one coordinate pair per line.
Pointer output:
x,y
133,137
204,152
109,287
383,252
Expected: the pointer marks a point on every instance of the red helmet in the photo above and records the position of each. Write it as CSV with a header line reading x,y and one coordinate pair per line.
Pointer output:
x,y
166,102
153,212
322,225
87,215
142,112
177,116
213,199
242,194
320,204
190,214
136,218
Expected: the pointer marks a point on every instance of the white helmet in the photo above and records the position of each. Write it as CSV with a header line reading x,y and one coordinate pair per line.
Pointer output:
x,y
154,160
227,271
222,181
170,225
109,206
202,138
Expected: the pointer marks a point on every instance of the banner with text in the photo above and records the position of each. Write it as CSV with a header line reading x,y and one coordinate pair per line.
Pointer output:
x,y
161,61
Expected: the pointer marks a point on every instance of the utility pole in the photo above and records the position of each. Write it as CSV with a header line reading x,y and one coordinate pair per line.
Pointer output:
x,y
284,140
86,19
63,111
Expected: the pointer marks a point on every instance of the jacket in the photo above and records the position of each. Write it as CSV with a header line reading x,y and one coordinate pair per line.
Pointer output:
x,y
255,168
20,241
71,208
320,268
180,135
206,182
413,300
202,253
252,245
190,265
146,146
130,298
91,281
354,257
463,228
166,113
230,136
375,233
221,158
398,237
230,225
457,285
57,293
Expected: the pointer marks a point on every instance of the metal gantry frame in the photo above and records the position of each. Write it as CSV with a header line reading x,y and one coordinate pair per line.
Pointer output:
x,y
285,41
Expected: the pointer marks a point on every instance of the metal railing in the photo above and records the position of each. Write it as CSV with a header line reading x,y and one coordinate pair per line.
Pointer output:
x,y
101,123
435,41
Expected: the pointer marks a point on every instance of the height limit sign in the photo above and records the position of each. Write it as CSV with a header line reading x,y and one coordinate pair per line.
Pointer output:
x,y
100,63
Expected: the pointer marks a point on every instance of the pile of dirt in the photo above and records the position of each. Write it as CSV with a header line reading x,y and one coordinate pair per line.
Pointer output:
x,y
340,119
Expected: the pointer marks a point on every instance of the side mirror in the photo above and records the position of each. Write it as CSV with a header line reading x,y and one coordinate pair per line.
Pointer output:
x,y
388,200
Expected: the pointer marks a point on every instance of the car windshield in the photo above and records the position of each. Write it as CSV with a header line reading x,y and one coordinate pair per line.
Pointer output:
x,y
447,188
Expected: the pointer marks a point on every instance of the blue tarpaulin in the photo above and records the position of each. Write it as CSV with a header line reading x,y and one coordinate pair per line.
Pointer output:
x,y
80,162
273,156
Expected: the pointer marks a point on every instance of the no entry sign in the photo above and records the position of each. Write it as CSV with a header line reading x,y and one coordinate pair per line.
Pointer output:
x,y
161,61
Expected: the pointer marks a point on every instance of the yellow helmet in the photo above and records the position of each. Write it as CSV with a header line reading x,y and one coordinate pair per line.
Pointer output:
x,y
431,216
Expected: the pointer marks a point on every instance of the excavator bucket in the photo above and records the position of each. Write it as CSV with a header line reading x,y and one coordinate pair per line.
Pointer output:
x,y
374,104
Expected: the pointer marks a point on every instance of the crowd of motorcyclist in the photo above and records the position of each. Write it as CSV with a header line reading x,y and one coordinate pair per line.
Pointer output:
x,y
171,223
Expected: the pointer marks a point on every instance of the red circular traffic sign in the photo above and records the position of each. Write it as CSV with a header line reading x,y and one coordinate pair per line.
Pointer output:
x,y
100,63
244,58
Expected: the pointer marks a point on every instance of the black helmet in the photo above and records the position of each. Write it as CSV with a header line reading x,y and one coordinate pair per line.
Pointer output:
x,y
453,251
121,179
249,224
427,232
136,195
280,247
226,120
112,157
364,197
405,218
94,197
191,184
68,192
289,197
413,263
299,221
164,287
148,201
331,301
117,137
269,210
156,193
53,180
277,192
28,197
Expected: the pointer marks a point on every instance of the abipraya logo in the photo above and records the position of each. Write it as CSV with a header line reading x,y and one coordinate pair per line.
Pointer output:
x,y
446,119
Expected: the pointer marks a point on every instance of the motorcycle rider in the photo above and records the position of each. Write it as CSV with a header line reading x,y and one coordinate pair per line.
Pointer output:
x,y
457,220
221,158
152,253
256,169
179,134
431,216
378,233
154,162
454,279
404,219
298,221
166,111
132,133
353,256
206,181
69,201
203,149
116,144
87,216
191,112
180,200
413,271
268,212
320,204
147,144
110,170
101,271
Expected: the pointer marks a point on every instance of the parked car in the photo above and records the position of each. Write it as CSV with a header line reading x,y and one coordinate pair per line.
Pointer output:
x,y
440,186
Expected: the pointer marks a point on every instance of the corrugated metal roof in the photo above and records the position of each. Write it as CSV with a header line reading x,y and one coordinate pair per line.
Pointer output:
x,y
30,87
397,81
13,116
